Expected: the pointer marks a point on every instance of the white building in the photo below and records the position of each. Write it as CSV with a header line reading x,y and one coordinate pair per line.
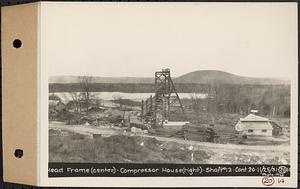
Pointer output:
x,y
174,125
253,125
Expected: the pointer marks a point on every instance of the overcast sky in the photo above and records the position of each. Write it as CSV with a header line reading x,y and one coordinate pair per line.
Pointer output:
x,y
137,39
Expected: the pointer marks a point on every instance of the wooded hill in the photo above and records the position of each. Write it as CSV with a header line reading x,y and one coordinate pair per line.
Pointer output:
x,y
198,77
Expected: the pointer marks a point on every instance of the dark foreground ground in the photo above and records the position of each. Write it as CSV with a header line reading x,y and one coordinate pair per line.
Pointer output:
x,y
69,146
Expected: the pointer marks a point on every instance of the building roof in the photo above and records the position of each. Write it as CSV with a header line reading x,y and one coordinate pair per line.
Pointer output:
x,y
253,122
97,108
274,124
54,102
254,118
174,123
257,125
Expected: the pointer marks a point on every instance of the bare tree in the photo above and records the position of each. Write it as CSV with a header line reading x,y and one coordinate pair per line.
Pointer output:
x,y
117,99
98,102
195,102
76,97
86,83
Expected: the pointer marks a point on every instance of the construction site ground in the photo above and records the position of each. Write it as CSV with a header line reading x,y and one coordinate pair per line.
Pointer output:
x,y
109,144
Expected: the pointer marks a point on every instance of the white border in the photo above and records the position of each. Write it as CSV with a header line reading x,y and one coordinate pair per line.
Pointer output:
x,y
145,181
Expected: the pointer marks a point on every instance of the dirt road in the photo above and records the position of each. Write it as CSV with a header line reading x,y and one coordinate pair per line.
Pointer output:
x,y
109,131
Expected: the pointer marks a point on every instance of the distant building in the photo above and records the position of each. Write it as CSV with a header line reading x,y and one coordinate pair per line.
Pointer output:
x,y
277,129
253,125
55,107
174,125
97,109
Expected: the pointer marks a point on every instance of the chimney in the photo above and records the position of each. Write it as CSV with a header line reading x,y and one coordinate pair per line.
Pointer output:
x,y
254,112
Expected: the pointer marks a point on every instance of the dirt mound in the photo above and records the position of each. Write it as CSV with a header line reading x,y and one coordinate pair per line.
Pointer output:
x,y
120,149
137,149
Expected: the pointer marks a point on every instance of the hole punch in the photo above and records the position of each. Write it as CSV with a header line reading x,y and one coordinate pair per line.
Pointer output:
x,y
17,43
18,153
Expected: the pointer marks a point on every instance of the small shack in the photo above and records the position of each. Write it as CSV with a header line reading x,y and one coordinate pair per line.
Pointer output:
x,y
56,106
97,109
253,125
277,129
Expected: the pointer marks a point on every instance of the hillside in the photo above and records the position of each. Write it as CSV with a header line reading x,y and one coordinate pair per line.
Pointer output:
x,y
197,77
220,77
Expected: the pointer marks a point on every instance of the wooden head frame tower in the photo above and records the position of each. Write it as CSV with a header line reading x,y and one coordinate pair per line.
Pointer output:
x,y
165,100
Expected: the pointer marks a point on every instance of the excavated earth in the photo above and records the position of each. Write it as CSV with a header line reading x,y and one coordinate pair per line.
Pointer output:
x,y
69,146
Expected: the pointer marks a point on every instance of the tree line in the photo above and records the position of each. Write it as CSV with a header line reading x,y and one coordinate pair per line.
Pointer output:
x,y
149,88
270,100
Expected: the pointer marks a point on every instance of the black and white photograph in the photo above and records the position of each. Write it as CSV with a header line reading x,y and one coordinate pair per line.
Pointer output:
x,y
205,116
150,94
184,87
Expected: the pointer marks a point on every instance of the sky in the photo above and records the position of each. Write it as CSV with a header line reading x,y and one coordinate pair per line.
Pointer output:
x,y
137,39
